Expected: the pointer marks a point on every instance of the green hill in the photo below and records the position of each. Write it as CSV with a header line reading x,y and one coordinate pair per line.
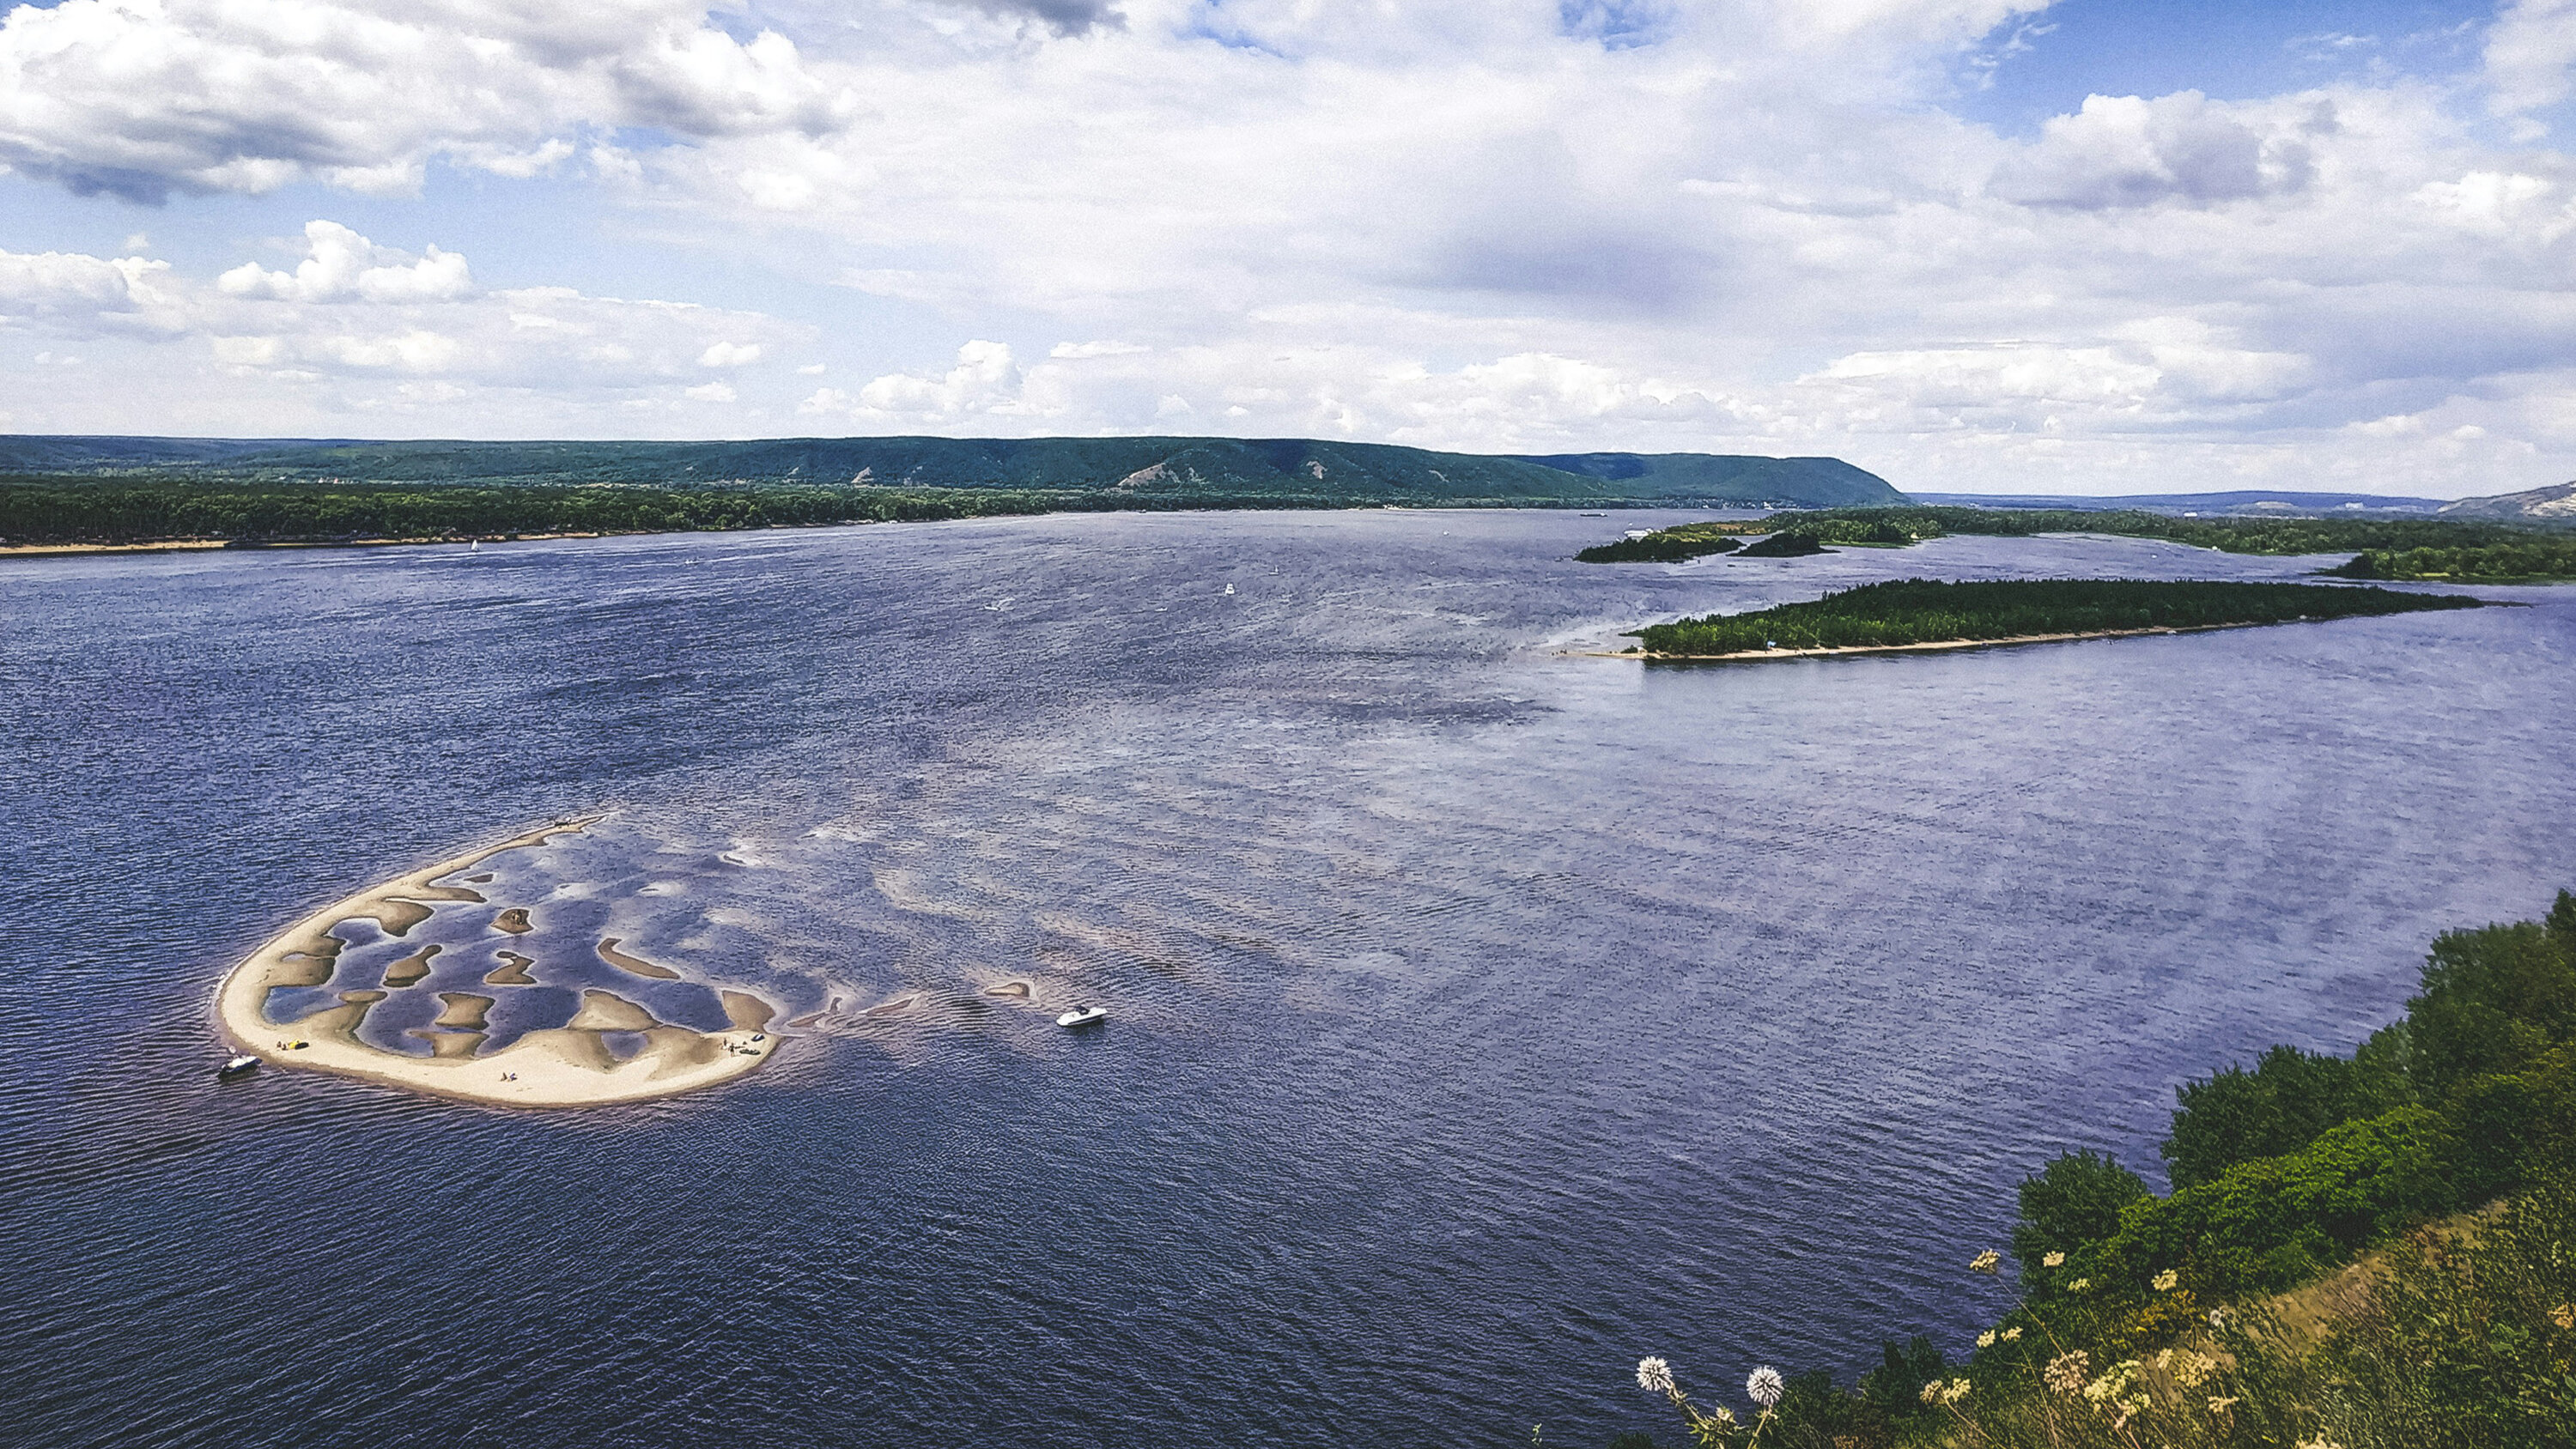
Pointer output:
x,y
1153,471
1724,478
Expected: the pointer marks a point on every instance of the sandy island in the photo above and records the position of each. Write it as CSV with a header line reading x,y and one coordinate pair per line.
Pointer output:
x,y
568,1066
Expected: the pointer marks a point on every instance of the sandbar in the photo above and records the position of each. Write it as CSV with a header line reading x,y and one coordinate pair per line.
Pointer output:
x,y
564,1067
410,969
635,965
813,1017
608,1011
514,920
513,971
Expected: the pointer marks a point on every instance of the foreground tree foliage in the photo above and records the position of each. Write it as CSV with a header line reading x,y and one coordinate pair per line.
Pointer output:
x,y
2365,1252
1920,611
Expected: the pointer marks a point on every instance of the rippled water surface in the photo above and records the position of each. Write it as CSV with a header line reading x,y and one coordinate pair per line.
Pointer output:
x,y
1483,1015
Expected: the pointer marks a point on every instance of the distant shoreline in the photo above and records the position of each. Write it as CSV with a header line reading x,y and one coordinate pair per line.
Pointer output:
x,y
215,545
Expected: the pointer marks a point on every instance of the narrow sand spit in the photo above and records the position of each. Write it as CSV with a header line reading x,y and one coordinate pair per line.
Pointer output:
x,y
569,1066
1755,656
635,965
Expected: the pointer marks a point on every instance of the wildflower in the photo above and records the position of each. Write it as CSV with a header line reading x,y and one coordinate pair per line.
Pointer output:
x,y
2167,1281
1654,1376
1763,1386
2218,1318
2011,1334
1956,1390
2221,1406
2319,1442
1722,1414
1986,1262
2106,1392
2164,1358
2067,1372
2191,1370
2079,1285
1931,1392
2564,1315
1986,1339
2052,1260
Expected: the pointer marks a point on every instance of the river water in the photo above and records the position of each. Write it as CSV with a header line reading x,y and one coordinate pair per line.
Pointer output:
x,y
1484,1016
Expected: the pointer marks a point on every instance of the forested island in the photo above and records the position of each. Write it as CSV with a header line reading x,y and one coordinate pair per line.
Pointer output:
x,y
2384,548
1919,613
2531,559
2366,1251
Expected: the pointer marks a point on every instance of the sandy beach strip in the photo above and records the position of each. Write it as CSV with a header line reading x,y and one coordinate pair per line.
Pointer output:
x,y
568,1066
1749,656
84,550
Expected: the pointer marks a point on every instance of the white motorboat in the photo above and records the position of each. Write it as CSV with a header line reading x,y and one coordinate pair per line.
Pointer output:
x,y
235,1066
1083,1016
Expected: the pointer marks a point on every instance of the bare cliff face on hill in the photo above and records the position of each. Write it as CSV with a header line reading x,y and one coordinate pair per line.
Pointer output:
x,y
2555,503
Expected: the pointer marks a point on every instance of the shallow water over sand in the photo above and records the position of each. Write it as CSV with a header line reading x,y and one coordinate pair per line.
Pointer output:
x,y
1483,1017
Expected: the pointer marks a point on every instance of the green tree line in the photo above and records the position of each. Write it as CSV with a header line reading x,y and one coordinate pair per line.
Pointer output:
x,y
2387,548
2513,561
59,511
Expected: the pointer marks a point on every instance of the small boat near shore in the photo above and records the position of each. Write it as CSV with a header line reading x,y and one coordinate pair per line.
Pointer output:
x,y
237,1066
1082,1016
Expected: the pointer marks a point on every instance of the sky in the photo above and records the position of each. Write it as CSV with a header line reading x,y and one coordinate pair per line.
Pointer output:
x,y
2087,247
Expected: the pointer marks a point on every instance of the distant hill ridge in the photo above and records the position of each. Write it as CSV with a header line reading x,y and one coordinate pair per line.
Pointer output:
x,y
1144,468
2553,504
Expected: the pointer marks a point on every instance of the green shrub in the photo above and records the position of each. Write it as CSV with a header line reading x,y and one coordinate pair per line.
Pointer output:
x,y
2264,1224
2288,1100
2075,1200
1892,1390
2494,1000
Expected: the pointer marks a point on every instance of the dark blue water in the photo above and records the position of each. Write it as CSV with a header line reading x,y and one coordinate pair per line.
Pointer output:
x,y
1484,1017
